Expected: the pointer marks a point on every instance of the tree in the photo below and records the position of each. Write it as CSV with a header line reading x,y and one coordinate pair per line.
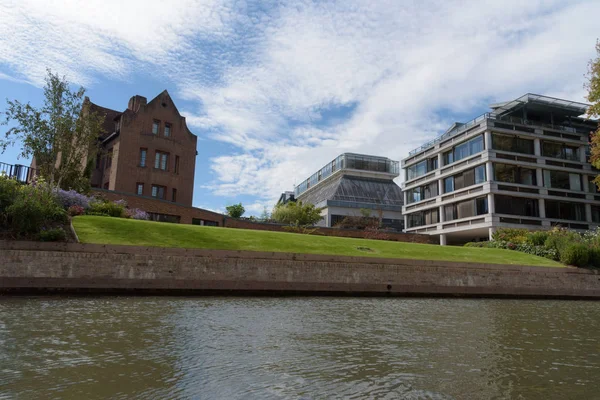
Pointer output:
x,y
297,214
265,216
62,135
236,210
593,88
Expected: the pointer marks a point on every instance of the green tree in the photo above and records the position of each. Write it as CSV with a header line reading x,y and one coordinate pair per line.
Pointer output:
x,y
297,214
265,216
593,96
236,210
62,135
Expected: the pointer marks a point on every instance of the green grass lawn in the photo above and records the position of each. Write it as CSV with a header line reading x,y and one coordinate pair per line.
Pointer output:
x,y
106,230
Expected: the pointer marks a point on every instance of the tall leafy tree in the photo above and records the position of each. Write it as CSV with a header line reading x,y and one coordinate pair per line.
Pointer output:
x,y
236,210
593,96
297,214
62,135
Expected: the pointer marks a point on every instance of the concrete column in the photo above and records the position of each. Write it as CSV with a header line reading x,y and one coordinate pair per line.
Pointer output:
x,y
442,239
489,171
585,183
405,222
487,140
491,205
440,160
441,212
542,208
582,156
440,186
539,176
491,232
588,212
537,147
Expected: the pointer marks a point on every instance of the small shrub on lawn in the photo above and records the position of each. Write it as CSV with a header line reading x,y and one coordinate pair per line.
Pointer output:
x,y
537,238
109,209
511,235
34,207
136,213
68,198
73,211
53,235
478,244
577,254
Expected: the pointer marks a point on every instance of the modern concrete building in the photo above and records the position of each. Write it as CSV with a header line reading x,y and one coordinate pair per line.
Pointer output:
x,y
352,182
522,165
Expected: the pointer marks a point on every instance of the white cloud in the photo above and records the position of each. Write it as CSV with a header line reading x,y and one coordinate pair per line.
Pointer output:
x,y
266,75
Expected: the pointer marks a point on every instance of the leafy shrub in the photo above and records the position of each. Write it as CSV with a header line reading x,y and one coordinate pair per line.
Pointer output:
x,y
540,251
511,235
53,235
577,254
68,198
34,207
121,203
537,238
594,260
136,213
8,192
75,210
297,214
107,209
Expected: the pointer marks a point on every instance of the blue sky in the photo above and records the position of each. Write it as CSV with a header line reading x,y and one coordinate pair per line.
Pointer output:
x,y
274,90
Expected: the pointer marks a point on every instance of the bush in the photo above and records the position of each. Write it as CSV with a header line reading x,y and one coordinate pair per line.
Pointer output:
x,y
53,235
594,260
297,214
75,210
537,238
136,213
540,251
511,235
34,207
107,209
8,192
577,254
478,244
68,198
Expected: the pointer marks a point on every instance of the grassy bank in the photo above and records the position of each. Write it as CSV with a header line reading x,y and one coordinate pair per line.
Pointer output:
x,y
106,230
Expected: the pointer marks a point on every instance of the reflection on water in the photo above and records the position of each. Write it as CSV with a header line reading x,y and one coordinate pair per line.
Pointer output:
x,y
297,348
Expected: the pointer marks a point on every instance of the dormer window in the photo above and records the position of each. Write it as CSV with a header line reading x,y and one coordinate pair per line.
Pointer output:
x,y
155,126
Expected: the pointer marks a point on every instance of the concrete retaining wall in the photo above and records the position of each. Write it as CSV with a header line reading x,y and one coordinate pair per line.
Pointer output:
x,y
26,266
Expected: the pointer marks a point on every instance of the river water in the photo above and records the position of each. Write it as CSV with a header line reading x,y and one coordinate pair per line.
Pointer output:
x,y
297,348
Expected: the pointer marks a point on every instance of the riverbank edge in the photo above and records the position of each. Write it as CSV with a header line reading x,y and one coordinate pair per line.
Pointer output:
x,y
37,267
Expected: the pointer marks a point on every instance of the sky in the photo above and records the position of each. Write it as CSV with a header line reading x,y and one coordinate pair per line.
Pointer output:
x,y
274,89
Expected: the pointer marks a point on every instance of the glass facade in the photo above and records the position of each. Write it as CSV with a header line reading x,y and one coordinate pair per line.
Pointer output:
x,y
562,180
514,174
560,150
350,161
421,168
466,209
565,210
465,179
422,192
516,206
512,143
421,218
464,150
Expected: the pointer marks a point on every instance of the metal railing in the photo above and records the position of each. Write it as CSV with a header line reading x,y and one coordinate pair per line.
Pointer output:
x,y
21,173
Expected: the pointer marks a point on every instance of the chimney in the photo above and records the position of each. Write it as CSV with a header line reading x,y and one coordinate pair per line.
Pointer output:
x,y
136,102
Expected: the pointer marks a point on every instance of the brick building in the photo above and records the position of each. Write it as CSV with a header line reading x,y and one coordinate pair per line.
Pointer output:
x,y
146,150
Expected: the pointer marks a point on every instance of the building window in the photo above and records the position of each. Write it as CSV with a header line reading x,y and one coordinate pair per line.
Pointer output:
x,y
512,143
559,150
167,130
595,214
174,195
516,206
592,187
469,177
421,168
466,209
98,160
422,192
428,217
176,164
198,221
562,180
514,174
158,191
164,218
143,153
155,126
109,155
139,189
565,210
161,160
464,150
